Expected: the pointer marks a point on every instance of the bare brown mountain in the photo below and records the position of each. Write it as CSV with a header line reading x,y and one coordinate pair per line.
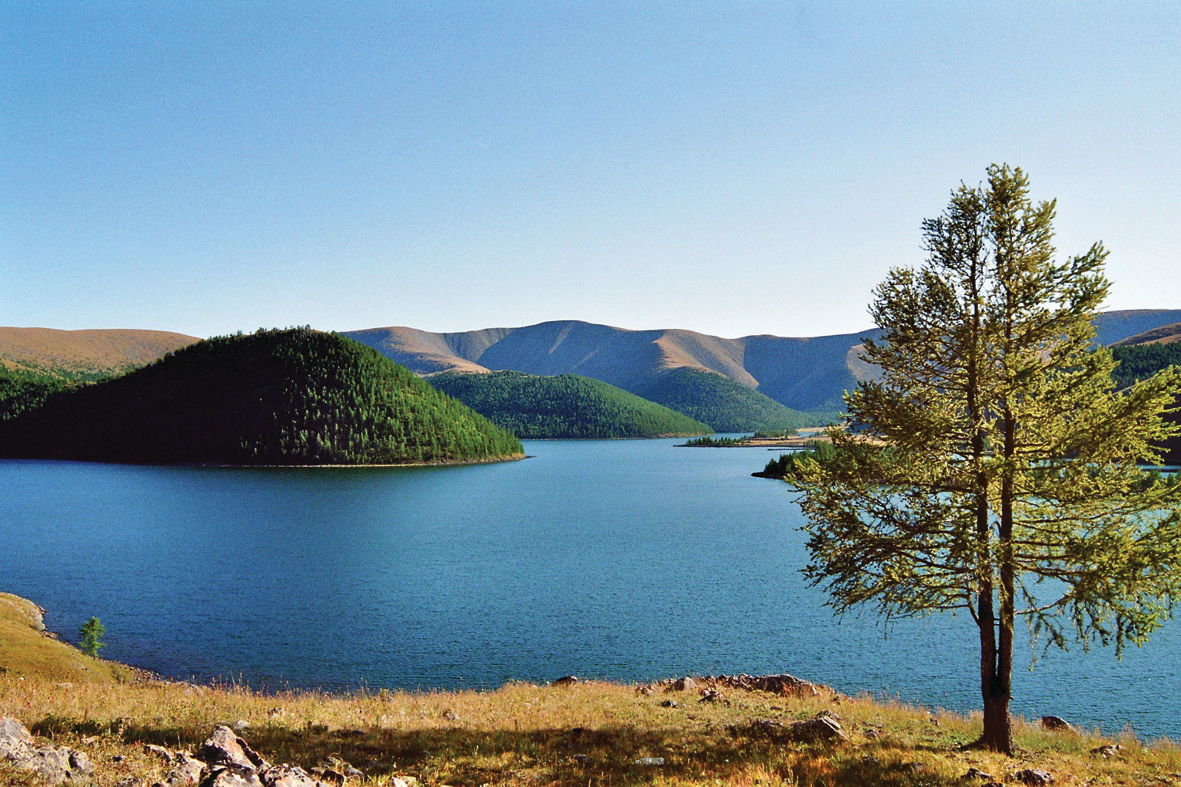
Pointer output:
x,y
100,351
1165,334
802,373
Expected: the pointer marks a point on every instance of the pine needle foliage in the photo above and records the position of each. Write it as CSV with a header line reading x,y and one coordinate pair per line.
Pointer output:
x,y
992,468
282,397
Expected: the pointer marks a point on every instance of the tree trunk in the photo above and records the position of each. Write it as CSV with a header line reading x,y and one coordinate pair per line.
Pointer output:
x,y
998,726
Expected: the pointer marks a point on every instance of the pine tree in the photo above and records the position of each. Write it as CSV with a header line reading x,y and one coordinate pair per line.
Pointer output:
x,y
992,466
92,633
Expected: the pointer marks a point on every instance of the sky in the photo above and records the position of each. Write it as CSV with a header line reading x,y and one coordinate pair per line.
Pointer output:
x,y
733,168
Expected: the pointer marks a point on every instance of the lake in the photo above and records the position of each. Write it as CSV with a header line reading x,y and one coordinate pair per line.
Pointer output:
x,y
625,560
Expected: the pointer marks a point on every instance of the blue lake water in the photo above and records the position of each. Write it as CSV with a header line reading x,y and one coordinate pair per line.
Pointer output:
x,y
627,560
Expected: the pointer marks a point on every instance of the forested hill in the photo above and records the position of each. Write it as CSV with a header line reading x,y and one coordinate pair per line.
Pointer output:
x,y
291,397
722,403
566,405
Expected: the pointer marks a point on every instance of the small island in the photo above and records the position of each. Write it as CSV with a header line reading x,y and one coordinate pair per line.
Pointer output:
x,y
784,438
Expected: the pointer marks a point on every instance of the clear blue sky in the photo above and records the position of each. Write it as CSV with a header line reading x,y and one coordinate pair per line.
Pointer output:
x,y
733,168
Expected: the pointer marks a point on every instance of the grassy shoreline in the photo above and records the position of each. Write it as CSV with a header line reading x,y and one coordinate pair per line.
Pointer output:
x,y
586,733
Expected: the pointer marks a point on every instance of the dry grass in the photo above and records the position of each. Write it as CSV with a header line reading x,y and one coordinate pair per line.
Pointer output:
x,y
590,733
586,734
24,650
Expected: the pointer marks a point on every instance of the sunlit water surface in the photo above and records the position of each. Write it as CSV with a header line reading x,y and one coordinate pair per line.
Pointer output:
x,y
627,560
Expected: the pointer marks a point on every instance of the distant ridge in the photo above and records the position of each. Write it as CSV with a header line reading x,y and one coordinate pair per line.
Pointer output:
x,y
1165,334
800,373
807,374
86,353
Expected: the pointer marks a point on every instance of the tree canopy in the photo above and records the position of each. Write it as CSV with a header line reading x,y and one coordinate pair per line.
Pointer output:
x,y
992,467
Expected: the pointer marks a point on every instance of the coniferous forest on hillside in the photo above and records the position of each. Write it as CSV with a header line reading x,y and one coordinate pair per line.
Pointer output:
x,y
291,397
565,405
724,404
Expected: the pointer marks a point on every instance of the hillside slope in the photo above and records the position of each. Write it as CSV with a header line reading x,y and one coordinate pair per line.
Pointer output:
x,y
26,649
275,397
1164,334
719,401
802,373
86,354
565,405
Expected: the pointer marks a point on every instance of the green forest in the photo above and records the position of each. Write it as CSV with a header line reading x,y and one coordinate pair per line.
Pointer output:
x,y
566,405
1138,361
724,404
290,397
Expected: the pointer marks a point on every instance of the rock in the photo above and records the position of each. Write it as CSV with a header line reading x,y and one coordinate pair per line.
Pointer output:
x,y
232,775
352,772
873,735
186,770
712,695
450,715
131,781
163,754
568,680
241,724
818,730
827,714
670,704
330,775
783,684
649,761
403,781
1107,750
975,773
288,776
645,690
53,764
1056,723
1031,776
682,684
223,747
12,732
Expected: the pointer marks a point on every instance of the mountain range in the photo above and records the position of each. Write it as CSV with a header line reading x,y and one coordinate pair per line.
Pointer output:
x,y
808,374
731,384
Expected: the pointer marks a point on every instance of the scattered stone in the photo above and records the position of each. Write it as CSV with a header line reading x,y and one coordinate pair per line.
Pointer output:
x,y
822,729
329,775
403,781
450,715
1107,750
118,758
568,680
873,735
713,695
783,684
159,751
275,712
186,770
645,690
131,781
241,724
223,747
976,773
818,730
289,776
681,684
827,714
232,775
53,764
1056,723
670,704
650,761
582,758
1032,777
